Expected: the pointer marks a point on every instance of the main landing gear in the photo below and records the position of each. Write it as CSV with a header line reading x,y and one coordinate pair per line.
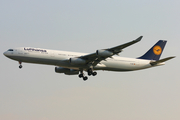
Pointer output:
x,y
20,66
90,72
82,76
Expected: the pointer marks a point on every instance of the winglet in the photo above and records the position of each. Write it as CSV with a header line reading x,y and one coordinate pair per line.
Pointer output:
x,y
138,39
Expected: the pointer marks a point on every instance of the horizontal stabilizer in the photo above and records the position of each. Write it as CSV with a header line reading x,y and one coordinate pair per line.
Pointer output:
x,y
162,60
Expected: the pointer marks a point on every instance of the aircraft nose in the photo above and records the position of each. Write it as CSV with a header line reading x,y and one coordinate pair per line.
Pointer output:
x,y
5,53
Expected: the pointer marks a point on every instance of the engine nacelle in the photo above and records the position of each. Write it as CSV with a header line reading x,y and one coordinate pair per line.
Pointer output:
x,y
72,72
104,53
61,70
66,71
78,61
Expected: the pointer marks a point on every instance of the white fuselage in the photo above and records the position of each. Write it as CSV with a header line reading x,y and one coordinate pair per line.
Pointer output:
x,y
60,58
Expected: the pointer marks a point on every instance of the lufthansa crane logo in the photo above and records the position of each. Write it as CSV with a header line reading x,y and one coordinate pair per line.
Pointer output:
x,y
157,50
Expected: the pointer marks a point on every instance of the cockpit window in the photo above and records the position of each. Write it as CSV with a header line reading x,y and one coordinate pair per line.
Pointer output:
x,y
10,50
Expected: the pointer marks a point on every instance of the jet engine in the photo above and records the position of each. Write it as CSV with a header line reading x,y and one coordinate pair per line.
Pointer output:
x,y
66,71
104,53
78,61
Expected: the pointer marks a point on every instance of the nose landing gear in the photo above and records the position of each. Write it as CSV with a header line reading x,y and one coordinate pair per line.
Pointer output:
x,y
20,66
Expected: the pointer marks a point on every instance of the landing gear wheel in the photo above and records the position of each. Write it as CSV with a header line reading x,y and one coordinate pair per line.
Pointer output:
x,y
80,75
85,78
89,73
20,66
94,73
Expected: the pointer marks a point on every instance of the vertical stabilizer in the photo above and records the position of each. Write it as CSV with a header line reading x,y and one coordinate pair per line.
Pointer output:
x,y
155,52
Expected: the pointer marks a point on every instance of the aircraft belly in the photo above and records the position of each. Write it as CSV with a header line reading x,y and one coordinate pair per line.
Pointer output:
x,y
124,65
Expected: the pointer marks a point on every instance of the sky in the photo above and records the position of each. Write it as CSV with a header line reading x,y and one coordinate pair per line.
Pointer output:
x,y
36,92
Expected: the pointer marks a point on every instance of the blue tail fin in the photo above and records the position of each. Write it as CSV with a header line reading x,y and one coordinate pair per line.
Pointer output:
x,y
155,52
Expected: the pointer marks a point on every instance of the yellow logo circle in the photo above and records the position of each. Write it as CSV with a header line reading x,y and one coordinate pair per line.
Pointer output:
x,y
157,50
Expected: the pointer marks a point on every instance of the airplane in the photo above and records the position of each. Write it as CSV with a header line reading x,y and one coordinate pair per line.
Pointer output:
x,y
73,63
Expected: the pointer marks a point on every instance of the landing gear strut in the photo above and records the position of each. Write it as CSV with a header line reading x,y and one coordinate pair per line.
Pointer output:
x,y
20,66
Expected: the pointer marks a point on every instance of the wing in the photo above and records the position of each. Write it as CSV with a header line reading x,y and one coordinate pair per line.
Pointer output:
x,y
100,55
119,48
